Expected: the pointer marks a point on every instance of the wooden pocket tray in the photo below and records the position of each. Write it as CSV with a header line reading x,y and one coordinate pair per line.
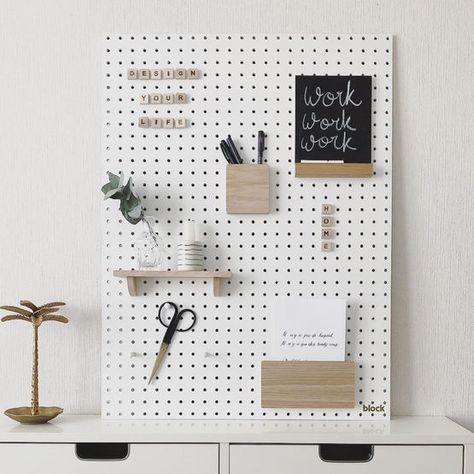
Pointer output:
x,y
248,189
308,384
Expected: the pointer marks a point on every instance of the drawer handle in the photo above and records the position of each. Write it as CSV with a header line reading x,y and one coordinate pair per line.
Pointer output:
x,y
102,451
346,452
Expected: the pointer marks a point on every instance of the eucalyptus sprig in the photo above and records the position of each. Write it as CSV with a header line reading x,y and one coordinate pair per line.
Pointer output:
x,y
130,204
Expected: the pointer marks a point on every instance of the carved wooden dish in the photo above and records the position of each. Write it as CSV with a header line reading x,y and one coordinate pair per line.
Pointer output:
x,y
23,414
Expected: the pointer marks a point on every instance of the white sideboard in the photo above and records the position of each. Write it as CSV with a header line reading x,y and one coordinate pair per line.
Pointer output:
x,y
88,444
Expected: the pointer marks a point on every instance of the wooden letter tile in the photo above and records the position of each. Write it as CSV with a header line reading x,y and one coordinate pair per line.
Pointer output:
x,y
132,74
168,123
144,122
156,73
168,98
180,98
143,74
180,123
155,122
327,246
327,209
327,221
180,73
192,73
168,73
327,233
144,99
155,98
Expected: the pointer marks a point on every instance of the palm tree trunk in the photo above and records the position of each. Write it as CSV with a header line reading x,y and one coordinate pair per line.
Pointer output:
x,y
34,375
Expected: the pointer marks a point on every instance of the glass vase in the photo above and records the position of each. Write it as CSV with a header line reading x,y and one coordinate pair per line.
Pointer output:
x,y
149,247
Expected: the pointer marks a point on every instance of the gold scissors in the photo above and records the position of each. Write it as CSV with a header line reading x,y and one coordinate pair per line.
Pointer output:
x,y
172,327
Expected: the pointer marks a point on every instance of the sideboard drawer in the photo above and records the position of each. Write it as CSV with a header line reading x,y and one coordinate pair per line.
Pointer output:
x,y
57,458
305,459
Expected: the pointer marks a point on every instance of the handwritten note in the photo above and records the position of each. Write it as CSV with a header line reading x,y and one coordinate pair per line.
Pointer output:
x,y
333,119
309,329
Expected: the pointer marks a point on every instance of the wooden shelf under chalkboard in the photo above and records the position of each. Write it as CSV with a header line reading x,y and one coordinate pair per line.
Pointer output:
x,y
307,170
132,277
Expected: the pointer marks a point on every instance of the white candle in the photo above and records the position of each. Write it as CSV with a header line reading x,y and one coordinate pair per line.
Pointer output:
x,y
189,231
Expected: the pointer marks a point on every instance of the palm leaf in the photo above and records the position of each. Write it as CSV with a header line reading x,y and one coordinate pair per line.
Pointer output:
x,y
29,304
44,311
51,305
11,317
15,309
56,317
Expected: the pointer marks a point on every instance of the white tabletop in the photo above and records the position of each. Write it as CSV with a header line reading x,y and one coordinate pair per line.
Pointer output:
x,y
91,428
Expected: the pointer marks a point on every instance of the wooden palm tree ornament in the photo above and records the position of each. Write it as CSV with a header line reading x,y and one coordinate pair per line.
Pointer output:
x,y
36,315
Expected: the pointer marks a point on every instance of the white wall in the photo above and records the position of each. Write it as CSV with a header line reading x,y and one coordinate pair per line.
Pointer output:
x,y
50,178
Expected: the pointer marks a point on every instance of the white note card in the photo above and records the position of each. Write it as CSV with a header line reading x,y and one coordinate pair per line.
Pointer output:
x,y
309,329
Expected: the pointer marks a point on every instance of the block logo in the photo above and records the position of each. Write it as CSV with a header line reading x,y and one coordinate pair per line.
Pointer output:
x,y
373,408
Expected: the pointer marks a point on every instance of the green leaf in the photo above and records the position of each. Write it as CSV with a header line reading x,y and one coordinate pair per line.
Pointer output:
x,y
136,212
113,189
132,209
114,179
127,190
109,190
131,219
130,204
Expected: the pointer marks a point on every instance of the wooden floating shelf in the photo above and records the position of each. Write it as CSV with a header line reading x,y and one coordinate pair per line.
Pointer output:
x,y
330,170
132,277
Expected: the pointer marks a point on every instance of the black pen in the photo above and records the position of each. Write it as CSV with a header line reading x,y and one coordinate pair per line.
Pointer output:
x,y
261,146
234,151
227,153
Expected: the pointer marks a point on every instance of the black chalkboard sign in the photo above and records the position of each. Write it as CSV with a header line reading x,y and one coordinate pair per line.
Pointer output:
x,y
333,119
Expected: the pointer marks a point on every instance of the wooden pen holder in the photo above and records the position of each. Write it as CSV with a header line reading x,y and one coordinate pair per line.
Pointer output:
x,y
248,189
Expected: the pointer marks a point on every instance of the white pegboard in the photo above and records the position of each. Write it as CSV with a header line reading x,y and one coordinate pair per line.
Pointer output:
x,y
247,84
